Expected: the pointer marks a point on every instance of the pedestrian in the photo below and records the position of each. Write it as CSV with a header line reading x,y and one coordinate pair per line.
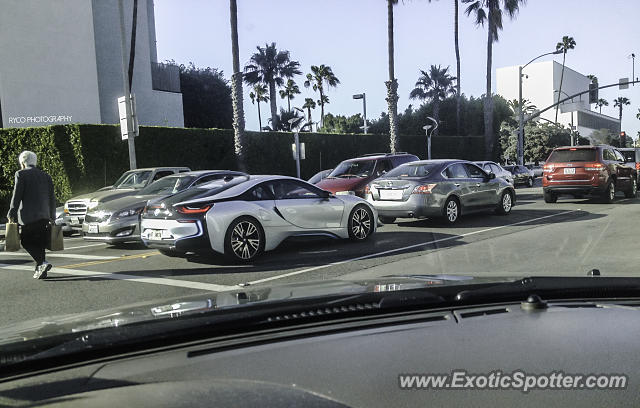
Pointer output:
x,y
33,206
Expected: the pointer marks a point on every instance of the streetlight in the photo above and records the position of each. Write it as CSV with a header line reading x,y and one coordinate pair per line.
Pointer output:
x,y
426,129
363,96
520,146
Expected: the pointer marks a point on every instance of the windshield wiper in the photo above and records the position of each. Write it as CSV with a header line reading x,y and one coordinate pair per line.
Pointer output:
x,y
553,287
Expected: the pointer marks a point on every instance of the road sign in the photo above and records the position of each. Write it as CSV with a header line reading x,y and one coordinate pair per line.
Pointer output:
x,y
623,83
122,110
302,151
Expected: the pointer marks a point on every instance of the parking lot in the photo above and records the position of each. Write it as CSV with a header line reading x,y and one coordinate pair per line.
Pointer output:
x,y
570,237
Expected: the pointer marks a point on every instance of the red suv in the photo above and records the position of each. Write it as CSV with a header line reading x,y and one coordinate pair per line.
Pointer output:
x,y
352,176
581,170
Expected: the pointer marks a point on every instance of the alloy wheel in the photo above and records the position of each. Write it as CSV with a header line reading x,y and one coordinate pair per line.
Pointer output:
x,y
361,223
245,240
452,211
612,191
507,202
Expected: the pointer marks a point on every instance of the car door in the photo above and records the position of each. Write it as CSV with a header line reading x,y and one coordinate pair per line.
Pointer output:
x,y
302,205
624,172
460,183
485,194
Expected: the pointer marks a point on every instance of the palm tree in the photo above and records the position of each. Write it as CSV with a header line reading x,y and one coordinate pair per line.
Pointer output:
x,y
434,85
236,89
638,115
271,67
455,40
490,11
309,104
392,83
619,102
290,90
602,102
259,94
527,107
567,43
319,76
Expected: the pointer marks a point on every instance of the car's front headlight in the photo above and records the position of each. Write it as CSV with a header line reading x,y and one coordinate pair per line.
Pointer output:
x,y
92,205
128,212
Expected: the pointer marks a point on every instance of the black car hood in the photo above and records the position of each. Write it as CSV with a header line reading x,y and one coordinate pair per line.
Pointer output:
x,y
189,305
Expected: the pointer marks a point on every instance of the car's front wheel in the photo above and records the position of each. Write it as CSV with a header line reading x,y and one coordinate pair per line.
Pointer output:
x,y
610,193
633,190
360,223
506,203
244,240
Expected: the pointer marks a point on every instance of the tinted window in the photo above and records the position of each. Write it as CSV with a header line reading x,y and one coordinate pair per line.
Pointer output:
x,y
212,177
474,171
260,192
412,170
134,179
629,156
168,185
455,171
607,154
619,156
290,190
578,155
495,169
356,168
383,167
161,174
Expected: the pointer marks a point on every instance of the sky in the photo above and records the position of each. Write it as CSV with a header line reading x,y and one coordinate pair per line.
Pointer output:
x,y
351,37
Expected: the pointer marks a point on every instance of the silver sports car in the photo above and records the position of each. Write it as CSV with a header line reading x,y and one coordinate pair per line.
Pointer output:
x,y
248,218
439,188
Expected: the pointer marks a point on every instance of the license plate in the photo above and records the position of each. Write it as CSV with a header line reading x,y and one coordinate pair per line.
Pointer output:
x,y
391,194
154,235
570,171
75,220
93,229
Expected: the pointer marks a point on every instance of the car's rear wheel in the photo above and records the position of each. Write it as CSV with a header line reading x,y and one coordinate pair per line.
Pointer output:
x,y
550,197
506,203
387,220
360,223
244,240
633,190
610,193
451,210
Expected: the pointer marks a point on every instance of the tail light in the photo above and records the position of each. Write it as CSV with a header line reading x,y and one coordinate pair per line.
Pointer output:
x,y
424,189
637,165
193,209
367,190
548,168
593,166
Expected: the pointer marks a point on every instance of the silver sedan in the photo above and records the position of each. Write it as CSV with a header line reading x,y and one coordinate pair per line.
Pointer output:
x,y
244,220
439,188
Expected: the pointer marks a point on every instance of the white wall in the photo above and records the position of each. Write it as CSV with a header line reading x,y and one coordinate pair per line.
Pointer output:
x,y
47,63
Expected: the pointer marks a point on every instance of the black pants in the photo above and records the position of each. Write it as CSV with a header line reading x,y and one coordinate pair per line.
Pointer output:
x,y
34,239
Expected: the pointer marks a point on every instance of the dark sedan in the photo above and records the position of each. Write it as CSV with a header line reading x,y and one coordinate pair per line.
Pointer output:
x,y
439,188
521,175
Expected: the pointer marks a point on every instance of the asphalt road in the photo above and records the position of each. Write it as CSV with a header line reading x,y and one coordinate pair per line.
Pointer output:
x,y
569,238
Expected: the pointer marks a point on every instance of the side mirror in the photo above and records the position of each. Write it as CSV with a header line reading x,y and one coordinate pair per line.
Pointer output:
x,y
325,194
491,176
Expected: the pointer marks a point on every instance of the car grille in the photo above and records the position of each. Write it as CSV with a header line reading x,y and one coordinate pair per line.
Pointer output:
x,y
77,208
96,217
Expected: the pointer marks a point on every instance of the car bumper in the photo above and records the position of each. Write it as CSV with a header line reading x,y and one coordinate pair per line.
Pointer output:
x,y
121,230
561,188
73,222
418,205
187,235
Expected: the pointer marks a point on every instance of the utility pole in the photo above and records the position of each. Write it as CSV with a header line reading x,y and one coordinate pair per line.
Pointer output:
x,y
127,92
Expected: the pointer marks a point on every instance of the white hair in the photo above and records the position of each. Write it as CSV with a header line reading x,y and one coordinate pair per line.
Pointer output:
x,y
27,158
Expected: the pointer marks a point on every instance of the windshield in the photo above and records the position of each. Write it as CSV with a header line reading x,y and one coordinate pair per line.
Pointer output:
x,y
167,185
577,155
134,179
356,168
154,93
412,170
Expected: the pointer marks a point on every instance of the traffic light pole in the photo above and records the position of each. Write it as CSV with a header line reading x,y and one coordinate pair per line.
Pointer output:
x,y
127,93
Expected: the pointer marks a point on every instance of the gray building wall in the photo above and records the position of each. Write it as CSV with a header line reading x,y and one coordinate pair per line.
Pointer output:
x,y
48,69
63,60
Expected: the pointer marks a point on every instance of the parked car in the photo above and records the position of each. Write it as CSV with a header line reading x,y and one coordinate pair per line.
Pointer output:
x,y
521,175
246,219
352,176
321,175
631,157
118,220
535,168
439,188
129,183
66,228
580,170
495,168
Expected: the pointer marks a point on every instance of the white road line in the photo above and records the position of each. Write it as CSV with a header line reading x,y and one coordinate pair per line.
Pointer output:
x,y
315,268
133,278
317,252
63,255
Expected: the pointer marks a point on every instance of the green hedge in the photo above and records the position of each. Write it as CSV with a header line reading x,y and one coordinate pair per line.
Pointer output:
x,y
83,158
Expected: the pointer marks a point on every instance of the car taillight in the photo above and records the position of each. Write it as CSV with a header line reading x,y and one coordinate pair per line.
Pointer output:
x,y
548,168
593,166
193,209
424,189
637,165
367,190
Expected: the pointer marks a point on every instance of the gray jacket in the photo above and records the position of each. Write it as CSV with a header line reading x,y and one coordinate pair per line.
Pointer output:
x,y
33,197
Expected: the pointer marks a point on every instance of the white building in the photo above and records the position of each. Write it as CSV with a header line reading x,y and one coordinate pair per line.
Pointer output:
x,y
540,84
61,62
